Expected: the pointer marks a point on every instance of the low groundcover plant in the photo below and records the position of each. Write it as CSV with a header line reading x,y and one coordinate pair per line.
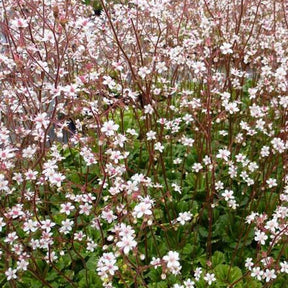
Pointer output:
x,y
144,144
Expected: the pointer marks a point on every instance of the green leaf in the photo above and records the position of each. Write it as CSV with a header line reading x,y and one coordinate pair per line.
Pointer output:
x,y
251,283
161,284
218,258
188,248
92,263
228,275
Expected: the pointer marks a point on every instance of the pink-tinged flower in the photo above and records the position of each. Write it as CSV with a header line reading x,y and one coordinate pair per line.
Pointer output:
x,y
17,177
223,154
260,237
196,167
269,275
31,175
198,67
228,195
56,179
79,236
257,273
11,274
50,257
41,120
106,265
67,208
19,23
30,226
22,265
142,209
127,243
47,225
232,107
109,128
15,212
11,237
108,216
156,262
124,230
85,209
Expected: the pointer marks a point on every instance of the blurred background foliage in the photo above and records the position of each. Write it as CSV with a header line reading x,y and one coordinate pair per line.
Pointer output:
x,y
97,4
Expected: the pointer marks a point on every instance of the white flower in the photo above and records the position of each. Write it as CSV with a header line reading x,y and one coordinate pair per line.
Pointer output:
x,y
108,216
197,273
142,209
156,262
22,265
178,286
189,283
231,108
161,67
187,141
284,267
19,23
264,151
85,209
11,237
209,278
2,224
107,265
177,161
278,145
47,225
91,245
248,263
219,185
172,262
228,195
226,48
260,237
184,217
271,182
176,188
148,109
151,135
197,167
198,67
66,226
223,154
159,147
143,72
